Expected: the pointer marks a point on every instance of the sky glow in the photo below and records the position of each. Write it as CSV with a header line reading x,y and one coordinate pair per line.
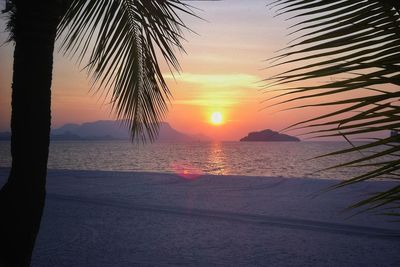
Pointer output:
x,y
222,70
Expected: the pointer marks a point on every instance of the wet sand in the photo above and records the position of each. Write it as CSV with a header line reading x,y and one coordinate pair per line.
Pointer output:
x,y
95,218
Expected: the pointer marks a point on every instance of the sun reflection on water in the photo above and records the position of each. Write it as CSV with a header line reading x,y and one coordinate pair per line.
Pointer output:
x,y
217,160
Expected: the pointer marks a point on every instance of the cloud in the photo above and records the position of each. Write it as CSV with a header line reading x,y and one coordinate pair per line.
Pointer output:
x,y
207,102
239,80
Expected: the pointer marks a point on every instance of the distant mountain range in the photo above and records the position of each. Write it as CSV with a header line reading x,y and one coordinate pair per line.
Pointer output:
x,y
112,130
268,136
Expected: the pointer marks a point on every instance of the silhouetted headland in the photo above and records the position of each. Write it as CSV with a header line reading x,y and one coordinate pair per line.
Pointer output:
x,y
269,136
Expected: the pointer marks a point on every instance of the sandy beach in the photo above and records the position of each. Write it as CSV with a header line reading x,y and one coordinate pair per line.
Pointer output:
x,y
95,218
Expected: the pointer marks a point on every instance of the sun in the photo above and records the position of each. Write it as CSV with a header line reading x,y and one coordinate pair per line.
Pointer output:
x,y
216,118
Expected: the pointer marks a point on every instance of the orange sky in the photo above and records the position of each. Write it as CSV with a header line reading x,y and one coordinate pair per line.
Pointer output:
x,y
221,73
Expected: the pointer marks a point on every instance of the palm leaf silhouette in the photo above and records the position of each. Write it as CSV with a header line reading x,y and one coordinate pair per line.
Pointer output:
x,y
120,41
358,43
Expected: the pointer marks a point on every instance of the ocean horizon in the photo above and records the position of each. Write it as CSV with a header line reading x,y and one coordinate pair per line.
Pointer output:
x,y
268,159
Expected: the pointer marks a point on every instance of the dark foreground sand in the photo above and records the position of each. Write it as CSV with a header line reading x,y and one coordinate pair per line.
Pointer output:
x,y
150,219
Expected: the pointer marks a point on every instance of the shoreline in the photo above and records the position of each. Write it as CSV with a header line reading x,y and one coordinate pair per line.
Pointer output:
x,y
4,171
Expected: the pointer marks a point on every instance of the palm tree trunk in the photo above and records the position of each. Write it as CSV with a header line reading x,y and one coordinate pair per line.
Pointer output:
x,y
23,196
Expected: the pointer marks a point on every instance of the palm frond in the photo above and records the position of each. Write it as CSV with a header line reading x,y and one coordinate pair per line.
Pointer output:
x,y
119,41
10,11
357,42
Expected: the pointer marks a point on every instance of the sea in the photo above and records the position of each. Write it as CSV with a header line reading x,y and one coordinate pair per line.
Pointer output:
x,y
276,159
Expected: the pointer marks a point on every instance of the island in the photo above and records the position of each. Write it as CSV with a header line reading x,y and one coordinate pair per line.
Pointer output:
x,y
268,136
